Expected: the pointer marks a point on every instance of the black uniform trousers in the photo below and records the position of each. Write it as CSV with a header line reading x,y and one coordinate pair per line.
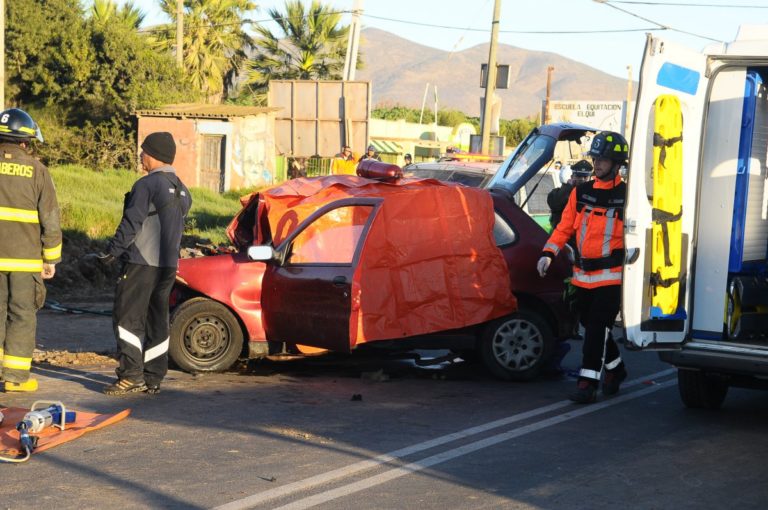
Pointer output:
x,y
598,308
22,294
140,320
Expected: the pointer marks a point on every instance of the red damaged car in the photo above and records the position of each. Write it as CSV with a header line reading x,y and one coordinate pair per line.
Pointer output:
x,y
343,263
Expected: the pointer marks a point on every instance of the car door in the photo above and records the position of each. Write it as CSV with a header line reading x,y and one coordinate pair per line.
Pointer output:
x,y
667,70
307,296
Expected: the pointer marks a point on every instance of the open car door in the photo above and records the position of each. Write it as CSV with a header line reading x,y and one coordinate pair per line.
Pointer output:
x,y
660,216
307,296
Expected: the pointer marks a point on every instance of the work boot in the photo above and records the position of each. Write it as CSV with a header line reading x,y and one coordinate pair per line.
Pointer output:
x,y
124,386
586,392
29,385
613,379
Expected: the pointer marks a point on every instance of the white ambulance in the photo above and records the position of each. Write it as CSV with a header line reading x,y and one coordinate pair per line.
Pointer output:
x,y
696,222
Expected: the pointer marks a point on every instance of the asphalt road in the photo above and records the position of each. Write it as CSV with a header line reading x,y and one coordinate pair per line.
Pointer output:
x,y
362,433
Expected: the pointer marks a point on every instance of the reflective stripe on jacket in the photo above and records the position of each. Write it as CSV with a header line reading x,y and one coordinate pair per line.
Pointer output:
x,y
29,212
595,214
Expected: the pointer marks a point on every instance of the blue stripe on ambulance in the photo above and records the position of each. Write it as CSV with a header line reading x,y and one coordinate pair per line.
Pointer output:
x,y
678,78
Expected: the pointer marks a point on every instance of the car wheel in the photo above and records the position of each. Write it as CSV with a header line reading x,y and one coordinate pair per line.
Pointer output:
x,y
517,346
205,336
697,390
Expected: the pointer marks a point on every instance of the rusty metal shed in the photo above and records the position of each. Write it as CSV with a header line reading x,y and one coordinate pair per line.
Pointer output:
x,y
317,117
219,147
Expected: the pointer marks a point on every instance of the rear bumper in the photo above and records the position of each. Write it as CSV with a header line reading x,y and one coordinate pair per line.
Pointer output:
x,y
720,358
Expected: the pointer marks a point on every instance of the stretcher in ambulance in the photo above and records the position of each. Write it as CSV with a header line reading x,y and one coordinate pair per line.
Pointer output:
x,y
696,223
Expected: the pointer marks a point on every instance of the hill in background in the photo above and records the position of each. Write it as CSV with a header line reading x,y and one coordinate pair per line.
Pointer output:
x,y
399,70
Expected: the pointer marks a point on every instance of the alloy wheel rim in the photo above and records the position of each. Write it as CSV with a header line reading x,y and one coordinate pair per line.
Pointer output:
x,y
518,345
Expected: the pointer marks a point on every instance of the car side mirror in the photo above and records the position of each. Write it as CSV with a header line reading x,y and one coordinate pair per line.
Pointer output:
x,y
264,253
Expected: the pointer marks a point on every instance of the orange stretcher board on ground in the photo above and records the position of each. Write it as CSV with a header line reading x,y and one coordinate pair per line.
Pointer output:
x,y
51,436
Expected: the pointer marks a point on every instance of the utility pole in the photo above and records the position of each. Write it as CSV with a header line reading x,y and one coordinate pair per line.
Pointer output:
x,y
2,54
353,43
180,33
550,69
435,119
629,102
490,84
423,103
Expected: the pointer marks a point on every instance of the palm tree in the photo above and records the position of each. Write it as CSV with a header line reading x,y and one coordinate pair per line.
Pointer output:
x,y
215,43
310,46
128,14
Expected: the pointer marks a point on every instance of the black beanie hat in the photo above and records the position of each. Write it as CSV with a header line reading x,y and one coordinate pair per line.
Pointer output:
x,y
160,145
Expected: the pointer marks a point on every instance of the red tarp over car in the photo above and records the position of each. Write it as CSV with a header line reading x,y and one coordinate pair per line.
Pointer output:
x,y
429,261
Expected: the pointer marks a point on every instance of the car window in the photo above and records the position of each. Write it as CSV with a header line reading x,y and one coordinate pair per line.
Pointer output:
x,y
537,193
528,156
473,179
332,238
502,231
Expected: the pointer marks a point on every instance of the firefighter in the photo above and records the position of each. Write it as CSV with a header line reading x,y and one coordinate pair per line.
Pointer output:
x,y
31,247
595,215
147,240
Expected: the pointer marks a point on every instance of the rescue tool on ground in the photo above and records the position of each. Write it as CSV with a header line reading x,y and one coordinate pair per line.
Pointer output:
x,y
35,421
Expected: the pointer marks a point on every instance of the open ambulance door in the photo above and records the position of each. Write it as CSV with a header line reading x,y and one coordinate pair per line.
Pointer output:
x,y
661,195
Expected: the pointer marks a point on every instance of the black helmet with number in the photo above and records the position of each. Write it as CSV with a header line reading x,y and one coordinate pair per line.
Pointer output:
x,y
18,125
610,145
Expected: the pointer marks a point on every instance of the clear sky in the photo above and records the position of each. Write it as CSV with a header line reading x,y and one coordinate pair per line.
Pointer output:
x,y
460,24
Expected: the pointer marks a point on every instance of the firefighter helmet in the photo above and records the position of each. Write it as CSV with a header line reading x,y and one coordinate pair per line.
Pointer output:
x,y
18,125
609,145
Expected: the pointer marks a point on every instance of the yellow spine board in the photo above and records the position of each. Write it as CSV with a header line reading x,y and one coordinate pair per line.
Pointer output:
x,y
667,200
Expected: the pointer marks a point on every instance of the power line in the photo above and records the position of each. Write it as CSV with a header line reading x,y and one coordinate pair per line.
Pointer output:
x,y
678,4
660,25
553,32
169,26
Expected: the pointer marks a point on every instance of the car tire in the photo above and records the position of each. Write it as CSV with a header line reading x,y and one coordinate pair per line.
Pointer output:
x,y
699,391
205,336
517,346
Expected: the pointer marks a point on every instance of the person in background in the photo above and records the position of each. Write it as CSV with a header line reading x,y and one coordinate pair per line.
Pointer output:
x,y
370,154
31,231
570,177
408,160
148,241
344,163
595,215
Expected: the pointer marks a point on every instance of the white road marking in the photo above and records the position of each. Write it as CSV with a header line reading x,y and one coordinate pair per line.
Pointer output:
x,y
307,483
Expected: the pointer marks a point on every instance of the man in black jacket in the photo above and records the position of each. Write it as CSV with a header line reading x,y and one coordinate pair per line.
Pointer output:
x,y
147,240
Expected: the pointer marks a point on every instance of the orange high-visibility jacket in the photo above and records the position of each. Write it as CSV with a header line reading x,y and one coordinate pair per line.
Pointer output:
x,y
595,214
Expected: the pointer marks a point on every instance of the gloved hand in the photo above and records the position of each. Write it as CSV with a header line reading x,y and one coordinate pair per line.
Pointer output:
x,y
543,265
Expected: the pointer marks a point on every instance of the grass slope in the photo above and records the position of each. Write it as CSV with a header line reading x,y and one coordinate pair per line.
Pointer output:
x,y
91,204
